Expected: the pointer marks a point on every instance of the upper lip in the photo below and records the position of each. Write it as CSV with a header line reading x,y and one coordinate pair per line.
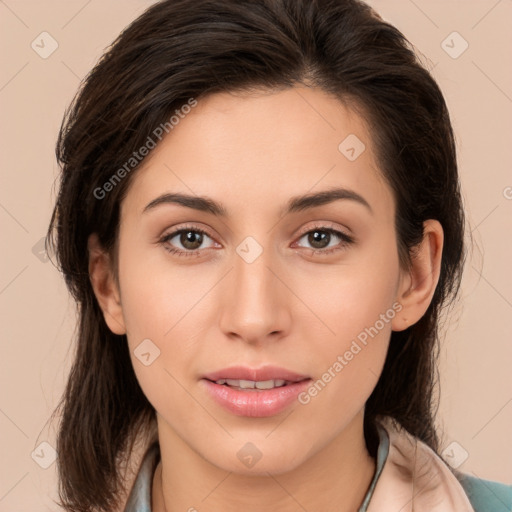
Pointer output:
x,y
255,374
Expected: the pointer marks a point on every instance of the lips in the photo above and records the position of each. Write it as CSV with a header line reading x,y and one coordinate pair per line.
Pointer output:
x,y
263,374
255,392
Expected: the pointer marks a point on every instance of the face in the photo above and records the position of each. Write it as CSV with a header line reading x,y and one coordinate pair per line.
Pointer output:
x,y
309,287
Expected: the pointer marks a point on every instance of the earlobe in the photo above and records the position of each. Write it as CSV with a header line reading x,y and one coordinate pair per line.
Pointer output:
x,y
104,285
418,286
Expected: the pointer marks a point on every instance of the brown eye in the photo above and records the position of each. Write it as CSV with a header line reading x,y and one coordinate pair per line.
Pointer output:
x,y
191,240
185,241
320,239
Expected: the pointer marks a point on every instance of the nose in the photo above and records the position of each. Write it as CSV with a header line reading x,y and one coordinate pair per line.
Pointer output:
x,y
255,303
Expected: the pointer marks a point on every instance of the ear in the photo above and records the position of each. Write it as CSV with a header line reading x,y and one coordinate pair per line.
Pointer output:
x,y
418,284
105,288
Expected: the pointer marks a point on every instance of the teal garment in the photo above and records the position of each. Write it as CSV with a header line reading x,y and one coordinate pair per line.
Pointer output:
x,y
484,495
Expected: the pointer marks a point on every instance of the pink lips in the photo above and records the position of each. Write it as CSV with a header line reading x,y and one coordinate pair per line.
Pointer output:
x,y
252,402
256,374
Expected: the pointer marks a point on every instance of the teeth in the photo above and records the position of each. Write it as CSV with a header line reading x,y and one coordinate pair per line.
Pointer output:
x,y
269,384
251,384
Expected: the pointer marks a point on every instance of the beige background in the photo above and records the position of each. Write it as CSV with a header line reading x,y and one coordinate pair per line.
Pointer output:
x,y
38,318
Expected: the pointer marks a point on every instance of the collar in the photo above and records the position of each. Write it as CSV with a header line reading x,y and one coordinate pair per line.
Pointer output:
x,y
413,477
409,477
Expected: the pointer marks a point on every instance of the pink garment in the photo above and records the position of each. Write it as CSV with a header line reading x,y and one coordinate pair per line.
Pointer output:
x,y
415,479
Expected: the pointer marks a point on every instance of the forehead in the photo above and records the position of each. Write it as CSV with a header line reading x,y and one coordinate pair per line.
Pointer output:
x,y
262,145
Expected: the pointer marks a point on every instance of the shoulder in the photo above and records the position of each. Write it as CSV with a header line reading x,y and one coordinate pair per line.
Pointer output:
x,y
486,495
439,481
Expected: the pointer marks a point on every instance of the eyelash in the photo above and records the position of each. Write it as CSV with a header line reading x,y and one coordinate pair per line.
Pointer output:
x,y
346,240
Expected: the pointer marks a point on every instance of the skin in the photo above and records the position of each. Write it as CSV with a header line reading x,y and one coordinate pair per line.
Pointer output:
x,y
289,307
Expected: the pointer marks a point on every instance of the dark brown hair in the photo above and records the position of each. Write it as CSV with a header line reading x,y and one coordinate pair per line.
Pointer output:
x,y
182,49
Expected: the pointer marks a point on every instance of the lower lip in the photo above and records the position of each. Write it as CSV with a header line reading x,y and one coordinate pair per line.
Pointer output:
x,y
256,404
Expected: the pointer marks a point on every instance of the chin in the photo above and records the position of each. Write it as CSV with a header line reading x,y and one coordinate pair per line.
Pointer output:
x,y
249,460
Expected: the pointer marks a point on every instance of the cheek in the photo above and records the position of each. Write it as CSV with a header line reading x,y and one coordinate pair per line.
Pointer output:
x,y
157,295
157,301
356,305
351,296
350,362
158,316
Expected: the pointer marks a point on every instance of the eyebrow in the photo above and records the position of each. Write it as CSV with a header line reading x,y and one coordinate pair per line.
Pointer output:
x,y
295,204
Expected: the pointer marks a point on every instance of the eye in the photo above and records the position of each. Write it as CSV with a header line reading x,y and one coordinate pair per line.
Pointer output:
x,y
321,237
189,237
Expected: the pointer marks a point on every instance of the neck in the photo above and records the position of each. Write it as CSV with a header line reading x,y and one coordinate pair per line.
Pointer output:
x,y
335,478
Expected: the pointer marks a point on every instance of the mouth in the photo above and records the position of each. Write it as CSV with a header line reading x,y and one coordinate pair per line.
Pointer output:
x,y
244,376
255,393
251,385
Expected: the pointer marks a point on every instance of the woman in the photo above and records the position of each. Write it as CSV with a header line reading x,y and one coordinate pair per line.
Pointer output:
x,y
260,219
